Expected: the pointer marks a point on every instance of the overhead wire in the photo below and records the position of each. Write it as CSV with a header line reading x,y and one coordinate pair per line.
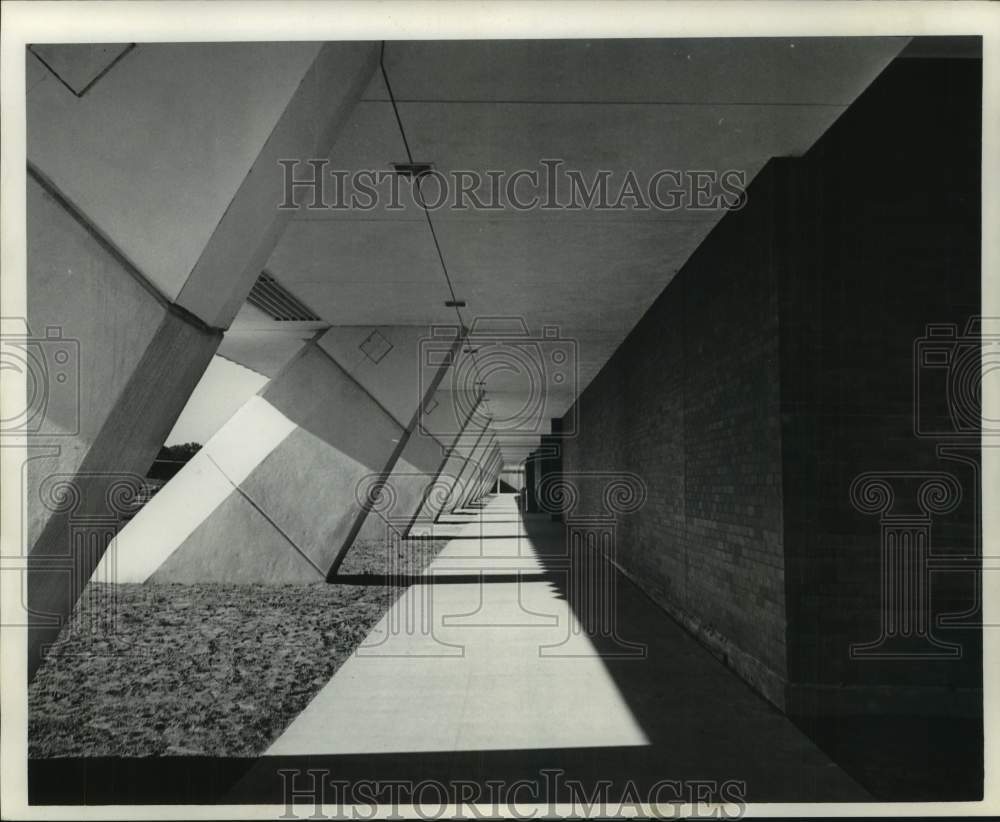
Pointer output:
x,y
430,225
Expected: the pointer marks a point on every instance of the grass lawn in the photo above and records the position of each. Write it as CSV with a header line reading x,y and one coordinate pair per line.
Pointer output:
x,y
206,669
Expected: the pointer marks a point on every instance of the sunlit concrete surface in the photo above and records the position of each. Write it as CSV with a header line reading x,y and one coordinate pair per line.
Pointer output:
x,y
227,459
456,666
147,307
459,667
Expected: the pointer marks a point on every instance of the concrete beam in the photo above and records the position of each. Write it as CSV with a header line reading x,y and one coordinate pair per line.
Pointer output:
x,y
215,119
328,452
179,250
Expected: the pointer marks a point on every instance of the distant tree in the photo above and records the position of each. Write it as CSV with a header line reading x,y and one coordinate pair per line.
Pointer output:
x,y
171,459
180,452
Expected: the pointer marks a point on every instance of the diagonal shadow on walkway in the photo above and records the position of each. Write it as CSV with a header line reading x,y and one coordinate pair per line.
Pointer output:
x,y
700,723
695,723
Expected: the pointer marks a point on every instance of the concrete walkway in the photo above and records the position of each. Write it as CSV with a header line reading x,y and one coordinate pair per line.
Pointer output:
x,y
488,653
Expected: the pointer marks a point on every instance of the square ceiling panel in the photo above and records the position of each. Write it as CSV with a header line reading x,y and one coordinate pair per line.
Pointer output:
x,y
78,66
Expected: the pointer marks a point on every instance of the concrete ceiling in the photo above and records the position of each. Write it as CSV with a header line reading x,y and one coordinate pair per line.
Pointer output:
x,y
617,105
154,153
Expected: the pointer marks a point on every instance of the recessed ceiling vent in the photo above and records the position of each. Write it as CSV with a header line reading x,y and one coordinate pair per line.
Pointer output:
x,y
280,305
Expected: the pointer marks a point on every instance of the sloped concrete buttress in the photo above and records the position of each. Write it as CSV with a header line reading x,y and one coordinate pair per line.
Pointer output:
x,y
441,489
117,372
295,472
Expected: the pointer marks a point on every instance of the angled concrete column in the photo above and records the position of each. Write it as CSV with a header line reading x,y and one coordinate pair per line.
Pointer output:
x,y
489,476
176,227
486,474
397,502
474,487
320,438
471,472
475,483
461,462
495,465
448,419
456,457
482,486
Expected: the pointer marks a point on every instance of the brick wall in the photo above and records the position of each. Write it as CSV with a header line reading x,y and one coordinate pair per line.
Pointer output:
x,y
774,369
883,239
689,403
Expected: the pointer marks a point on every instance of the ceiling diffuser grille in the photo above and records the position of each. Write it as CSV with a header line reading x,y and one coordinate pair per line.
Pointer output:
x,y
274,300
